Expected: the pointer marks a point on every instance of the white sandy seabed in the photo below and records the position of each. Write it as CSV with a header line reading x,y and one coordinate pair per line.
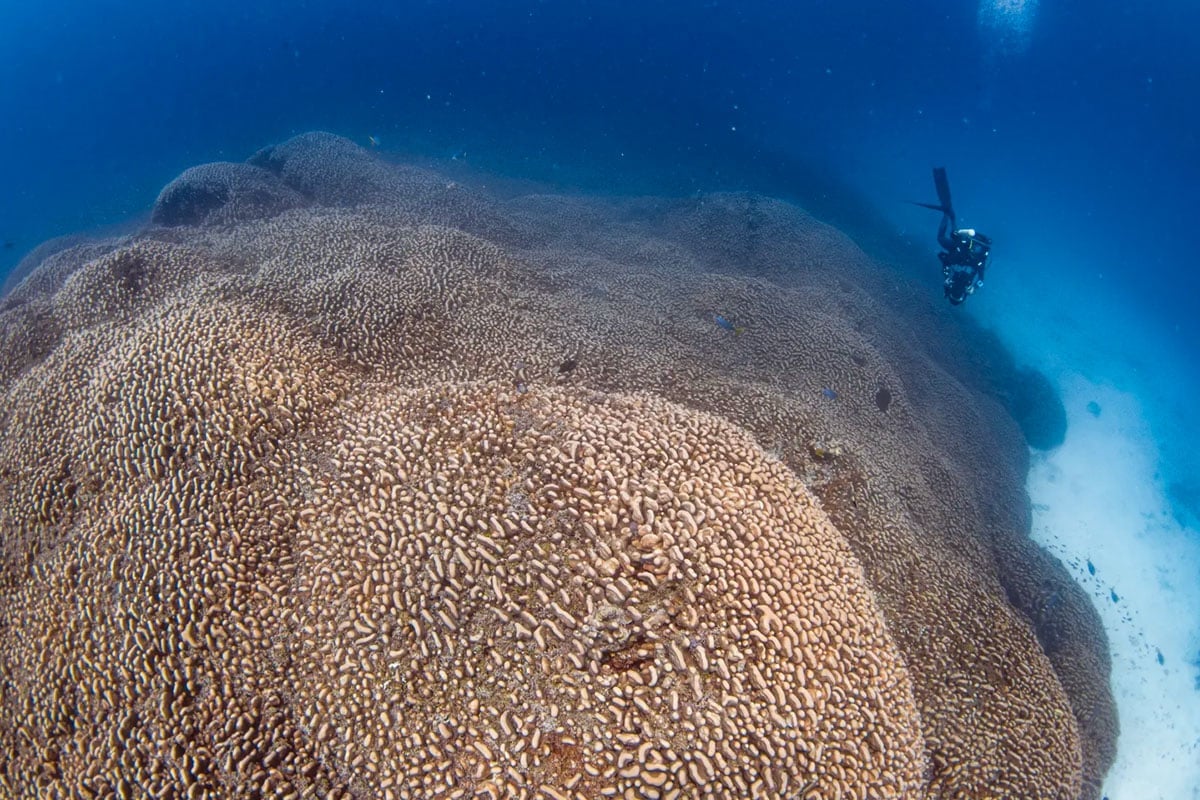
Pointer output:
x,y
1101,506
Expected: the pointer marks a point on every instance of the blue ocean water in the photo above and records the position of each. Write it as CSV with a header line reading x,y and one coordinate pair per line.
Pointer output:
x,y
1068,130
1066,127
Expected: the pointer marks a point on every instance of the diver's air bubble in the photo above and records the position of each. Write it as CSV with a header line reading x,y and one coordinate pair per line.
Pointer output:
x,y
1007,25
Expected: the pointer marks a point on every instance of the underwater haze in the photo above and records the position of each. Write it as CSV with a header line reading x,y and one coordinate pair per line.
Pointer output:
x,y
1068,130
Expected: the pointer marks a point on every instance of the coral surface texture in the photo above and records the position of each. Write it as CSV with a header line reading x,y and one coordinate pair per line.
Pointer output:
x,y
346,478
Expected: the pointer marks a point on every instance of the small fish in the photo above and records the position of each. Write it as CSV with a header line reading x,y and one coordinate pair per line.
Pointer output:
x,y
1091,567
9,244
830,394
568,366
727,325
374,140
1159,655
1113,593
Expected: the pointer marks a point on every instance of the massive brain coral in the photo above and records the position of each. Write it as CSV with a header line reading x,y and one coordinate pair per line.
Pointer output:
x,y
414,592
408,491
587,595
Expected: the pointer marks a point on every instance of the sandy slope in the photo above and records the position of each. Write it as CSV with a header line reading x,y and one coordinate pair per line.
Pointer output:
x,y
1100,504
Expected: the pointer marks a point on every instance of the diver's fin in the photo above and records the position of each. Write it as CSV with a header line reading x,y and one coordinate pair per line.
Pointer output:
x,y
942,184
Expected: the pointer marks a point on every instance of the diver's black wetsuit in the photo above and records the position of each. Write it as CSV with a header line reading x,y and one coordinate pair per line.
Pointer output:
x,y
964,262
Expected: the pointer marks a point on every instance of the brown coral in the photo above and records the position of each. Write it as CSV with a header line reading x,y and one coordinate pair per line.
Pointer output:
x,y
588,594
252,400
253,589
222,193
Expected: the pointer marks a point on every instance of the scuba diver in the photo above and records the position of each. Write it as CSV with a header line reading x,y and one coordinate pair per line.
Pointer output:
x,y
966,255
